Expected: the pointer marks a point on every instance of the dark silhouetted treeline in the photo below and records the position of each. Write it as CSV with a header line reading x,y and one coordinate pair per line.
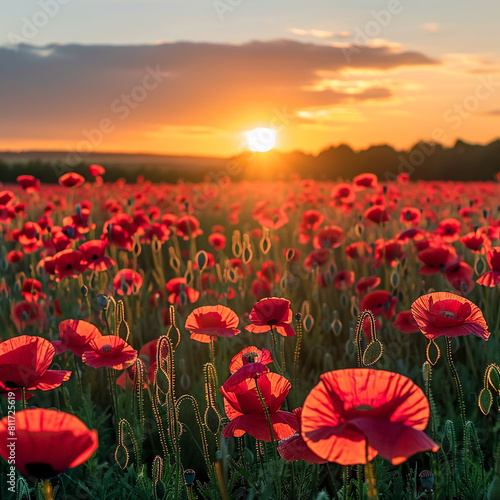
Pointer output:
x,y
425,161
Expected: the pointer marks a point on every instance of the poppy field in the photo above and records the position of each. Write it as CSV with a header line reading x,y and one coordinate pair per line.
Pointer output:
x,y
293,339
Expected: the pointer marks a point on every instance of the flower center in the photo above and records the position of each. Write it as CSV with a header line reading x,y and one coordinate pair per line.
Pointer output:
x,y
106,348
448,314
363,408
250,357
40,470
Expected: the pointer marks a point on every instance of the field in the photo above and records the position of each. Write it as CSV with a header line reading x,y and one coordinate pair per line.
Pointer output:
x,y
126,307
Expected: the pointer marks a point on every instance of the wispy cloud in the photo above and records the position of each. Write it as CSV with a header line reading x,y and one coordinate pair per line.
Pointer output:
x,y
320,34
431,28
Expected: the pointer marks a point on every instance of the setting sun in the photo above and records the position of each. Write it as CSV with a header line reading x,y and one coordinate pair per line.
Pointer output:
x,y
261,139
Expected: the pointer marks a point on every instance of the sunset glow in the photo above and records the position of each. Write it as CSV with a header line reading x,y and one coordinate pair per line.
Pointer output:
x,y
261,139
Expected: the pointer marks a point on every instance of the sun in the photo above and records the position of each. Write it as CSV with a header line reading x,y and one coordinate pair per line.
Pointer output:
x,y
261,139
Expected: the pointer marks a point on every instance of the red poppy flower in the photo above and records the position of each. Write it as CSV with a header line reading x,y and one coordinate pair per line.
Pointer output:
x,y
32,290
148,355
15,256
367,328
329,237
217,240
71,179
491,278
311,220
271,313
459,276
364,181
25,314
250,354
30,237
7,214
366,283
29,183
209,322
357,412
358,250
24,362
261,289
69,263
48,442
7,198
96,170
111,351
268,272
390,251
93,252
443,313
246,414
377,214
344,280
410,215
405,322
188,227
273,218
449,229
410,234
168,220
118,235
476,241
158,230
343,192
380,303
177,287
127,282
317,258
75,336
295,448
435,259
247,371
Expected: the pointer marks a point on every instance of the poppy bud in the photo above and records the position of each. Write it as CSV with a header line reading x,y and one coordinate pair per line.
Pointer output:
x,y
189,475
102,301
84,290
427,480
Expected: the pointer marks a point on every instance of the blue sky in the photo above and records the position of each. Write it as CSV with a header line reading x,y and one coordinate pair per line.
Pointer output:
x,y
463,26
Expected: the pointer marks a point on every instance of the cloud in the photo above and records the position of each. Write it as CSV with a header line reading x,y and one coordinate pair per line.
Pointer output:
x,y
58,91
320,34
431,28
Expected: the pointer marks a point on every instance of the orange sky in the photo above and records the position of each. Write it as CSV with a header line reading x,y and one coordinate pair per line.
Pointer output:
x,y
199,98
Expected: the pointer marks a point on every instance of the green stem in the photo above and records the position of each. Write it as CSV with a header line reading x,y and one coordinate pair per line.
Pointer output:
x,y
269,423
112,390
23,395
344,480
275,353
212,350
454,374
360,482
